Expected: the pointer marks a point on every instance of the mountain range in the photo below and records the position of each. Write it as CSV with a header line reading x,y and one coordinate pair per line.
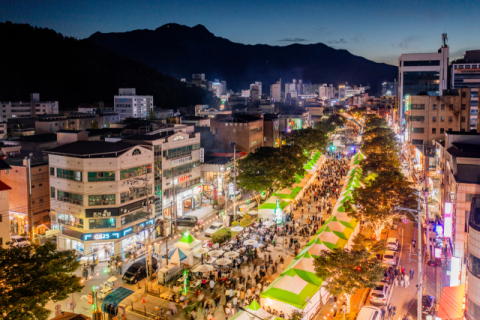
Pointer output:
x,y
181,51
75,71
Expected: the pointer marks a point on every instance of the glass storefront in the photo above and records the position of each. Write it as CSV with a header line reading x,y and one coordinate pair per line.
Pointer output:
x,y
18,224
102,250
133,244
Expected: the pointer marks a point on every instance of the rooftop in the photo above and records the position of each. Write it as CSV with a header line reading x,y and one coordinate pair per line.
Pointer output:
x,y
464,150
463,133
4,165
4,186
91,148
47,137
193,118
243,118
69,131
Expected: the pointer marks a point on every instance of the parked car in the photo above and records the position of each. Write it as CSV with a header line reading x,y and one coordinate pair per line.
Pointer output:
x,y
369,313
379,294
390,257
238,196
213,228
19,241
392,244
428,304
189,221
138,271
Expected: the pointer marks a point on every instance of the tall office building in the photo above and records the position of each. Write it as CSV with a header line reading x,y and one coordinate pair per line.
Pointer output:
x,y
466,73
128,105
422,73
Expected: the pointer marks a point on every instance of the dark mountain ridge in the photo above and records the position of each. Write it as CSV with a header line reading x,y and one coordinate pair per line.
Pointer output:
x,y
181,51
74,71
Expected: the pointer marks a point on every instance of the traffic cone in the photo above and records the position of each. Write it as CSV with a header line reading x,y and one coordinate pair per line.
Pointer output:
x,y
143,299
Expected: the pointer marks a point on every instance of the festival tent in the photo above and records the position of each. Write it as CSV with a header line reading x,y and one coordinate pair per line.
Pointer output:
x,y
318,246
340,230
332,237
290,292
178,255
187,242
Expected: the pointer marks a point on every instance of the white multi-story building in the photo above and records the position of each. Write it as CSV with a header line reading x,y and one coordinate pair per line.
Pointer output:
x,y
28,109
128,105
276,91
326,92
422,72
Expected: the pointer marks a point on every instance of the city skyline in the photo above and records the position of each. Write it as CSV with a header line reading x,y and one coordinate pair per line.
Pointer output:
x,y
379,32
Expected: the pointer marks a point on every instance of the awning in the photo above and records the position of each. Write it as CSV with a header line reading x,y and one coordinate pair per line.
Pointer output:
x,y
451,303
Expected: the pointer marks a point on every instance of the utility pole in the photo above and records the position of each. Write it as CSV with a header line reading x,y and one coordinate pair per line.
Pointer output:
x,y
146,229
426,165
417,215
234,180
30,205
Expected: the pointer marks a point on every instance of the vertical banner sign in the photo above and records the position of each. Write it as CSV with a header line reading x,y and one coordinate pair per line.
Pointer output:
x,y
448,220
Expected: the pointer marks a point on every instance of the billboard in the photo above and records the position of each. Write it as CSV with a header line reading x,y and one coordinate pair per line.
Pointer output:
x,y
448,220
408,103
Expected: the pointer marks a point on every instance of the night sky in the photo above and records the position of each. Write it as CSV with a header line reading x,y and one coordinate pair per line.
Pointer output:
x,y
377,30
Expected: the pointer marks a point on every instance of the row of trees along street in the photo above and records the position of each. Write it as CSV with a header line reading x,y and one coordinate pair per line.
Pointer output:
x,y
384,187
271,168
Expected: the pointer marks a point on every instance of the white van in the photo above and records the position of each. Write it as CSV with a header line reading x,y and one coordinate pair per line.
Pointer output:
x,y
369,313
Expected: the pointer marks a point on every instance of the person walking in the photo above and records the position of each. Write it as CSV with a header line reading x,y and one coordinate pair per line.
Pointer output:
x,y
412,272
383,313
407,280
85,273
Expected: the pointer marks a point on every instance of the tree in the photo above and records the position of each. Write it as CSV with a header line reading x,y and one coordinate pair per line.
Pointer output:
x,y
270,167
374,132
308,139
379,144
296,315
33,275
324,126
382,193
346,271
94,124
360,242
152,115
378,162
373,120
357,112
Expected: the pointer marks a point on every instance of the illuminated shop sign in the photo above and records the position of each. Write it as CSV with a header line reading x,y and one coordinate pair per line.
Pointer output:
x,y
448,220
408,104
113,234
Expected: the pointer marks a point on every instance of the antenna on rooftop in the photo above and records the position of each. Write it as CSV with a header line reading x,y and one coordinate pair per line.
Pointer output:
x,y
444,39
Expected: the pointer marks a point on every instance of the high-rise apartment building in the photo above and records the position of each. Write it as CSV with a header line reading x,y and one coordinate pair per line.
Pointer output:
x,y
257,85
276,91
128,105
422,73
466,73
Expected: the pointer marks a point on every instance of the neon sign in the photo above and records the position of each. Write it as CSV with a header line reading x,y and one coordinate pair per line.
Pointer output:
x,y
448,220
408,105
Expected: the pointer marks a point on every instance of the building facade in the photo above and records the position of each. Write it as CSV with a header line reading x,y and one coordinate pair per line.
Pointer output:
x,y
468,75
271,130
390,88
276,91
128,105
53,123
98,196
4,221
28,109
422,72
23,204
429,117
245,130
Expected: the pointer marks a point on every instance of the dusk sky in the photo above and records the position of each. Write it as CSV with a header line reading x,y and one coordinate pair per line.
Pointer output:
x,y
377,30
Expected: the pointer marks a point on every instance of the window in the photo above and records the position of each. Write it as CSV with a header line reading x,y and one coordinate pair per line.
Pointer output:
x,y
183,169
102,223
442,119
101,200
434,130
464,94
417,141
52,171
450,119
134,194
134,172
442,107
463,119
469,196
434,107
70,220
418,130
421,63
132,217
69,174
442,130
70,197
418,107
39,184
464,106
52,192
417,118
434,119
101,176
181,151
